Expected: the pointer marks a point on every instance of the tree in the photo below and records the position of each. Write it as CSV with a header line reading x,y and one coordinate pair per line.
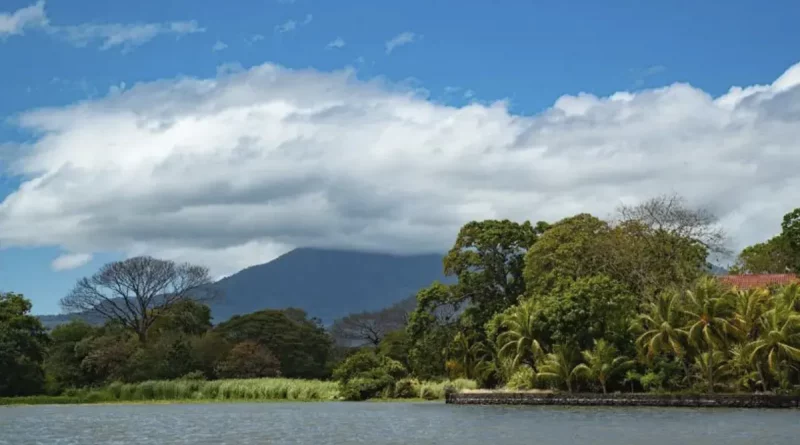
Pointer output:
x,y
488,258
22,347
671,214
63,365
520,338
584,310
709,311
567,251
712,369
301,345
602,363
660,327
249,360
371,327
773,256
779,340
791,232
560,367
136,292
188,317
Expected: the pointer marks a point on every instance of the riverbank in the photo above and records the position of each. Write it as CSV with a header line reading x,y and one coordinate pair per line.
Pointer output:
x,y
652,400
232,390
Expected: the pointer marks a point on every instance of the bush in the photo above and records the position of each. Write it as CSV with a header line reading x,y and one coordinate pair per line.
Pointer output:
x,y
406,389
523,378
194,375
359,388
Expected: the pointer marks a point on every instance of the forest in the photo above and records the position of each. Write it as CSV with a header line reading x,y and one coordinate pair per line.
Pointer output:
x,y
585,304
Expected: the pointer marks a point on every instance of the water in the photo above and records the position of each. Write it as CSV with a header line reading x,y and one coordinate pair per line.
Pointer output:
x,y
391,423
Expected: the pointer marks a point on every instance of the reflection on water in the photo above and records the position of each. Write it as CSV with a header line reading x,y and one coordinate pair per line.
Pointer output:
x,y
391,423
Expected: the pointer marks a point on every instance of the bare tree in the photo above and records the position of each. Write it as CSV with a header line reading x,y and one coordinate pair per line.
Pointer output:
x,y
371,327
670,213
135,292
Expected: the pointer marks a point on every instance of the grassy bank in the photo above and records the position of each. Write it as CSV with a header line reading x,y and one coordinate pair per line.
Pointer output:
x,y
270,389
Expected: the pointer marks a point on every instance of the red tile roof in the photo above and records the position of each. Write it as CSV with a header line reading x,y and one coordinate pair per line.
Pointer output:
x,y
755,281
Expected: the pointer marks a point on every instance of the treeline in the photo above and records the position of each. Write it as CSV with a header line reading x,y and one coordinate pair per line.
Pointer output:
x,y
181,344
625,304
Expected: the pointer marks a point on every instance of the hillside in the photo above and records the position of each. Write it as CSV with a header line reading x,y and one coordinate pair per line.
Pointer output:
x,y
327,283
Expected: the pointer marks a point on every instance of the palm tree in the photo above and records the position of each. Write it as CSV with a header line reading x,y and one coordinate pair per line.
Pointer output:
x,y
789,296
468,354
749,305
744,368
602,363
712,367
779,341
709,310
559,366
519,340
660,327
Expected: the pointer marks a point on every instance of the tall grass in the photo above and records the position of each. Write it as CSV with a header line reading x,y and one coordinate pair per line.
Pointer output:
x,y
267,389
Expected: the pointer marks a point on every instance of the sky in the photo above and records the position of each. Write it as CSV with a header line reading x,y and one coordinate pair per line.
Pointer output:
x,y
226,136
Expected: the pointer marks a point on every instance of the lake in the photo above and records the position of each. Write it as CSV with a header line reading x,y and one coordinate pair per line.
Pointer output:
x,y
391,423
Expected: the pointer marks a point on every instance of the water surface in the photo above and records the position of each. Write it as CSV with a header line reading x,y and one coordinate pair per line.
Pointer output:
x,y
392,423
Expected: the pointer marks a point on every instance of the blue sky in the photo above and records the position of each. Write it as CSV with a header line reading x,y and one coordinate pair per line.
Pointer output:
x,y
452,53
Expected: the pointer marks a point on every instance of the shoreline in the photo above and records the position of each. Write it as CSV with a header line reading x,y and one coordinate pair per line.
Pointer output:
x,y
70,401
761,401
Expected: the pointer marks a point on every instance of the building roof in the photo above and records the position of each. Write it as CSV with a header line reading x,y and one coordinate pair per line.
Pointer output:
x,y
756,281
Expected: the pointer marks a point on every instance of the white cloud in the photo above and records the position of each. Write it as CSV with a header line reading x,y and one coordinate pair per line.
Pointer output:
x,y
336,43
127,36
70,261
15,23
233,170
219,46
107,35
254,38
291,25
404,38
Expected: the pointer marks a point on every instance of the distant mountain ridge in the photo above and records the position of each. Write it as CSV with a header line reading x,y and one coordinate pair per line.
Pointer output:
x,y
326,283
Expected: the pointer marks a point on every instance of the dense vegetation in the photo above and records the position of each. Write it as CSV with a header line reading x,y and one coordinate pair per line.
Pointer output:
x,y
581,304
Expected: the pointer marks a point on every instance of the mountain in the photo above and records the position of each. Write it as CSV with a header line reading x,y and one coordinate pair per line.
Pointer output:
x,y
328,284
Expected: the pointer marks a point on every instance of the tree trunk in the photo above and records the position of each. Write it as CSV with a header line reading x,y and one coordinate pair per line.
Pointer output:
x,y
710,373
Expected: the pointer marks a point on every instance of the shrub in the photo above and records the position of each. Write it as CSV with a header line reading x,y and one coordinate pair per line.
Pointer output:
x,y
359,388
522,379
406,389
194,375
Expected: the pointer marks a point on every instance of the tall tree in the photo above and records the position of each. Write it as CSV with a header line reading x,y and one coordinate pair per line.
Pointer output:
x,y
791,231
709,310
22,347
136,292
488,258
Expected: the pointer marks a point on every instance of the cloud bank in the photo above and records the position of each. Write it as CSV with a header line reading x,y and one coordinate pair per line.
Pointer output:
x,y
233,170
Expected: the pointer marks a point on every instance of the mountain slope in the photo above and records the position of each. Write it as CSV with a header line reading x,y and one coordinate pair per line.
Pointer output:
x,y
326,283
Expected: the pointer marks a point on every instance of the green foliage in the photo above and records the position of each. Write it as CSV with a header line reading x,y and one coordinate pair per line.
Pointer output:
x,y
248,360
791,232
63,365
488,258
603,363
406,389
560,367
366,375
301,345
587,309
773,256
22,347
523,379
